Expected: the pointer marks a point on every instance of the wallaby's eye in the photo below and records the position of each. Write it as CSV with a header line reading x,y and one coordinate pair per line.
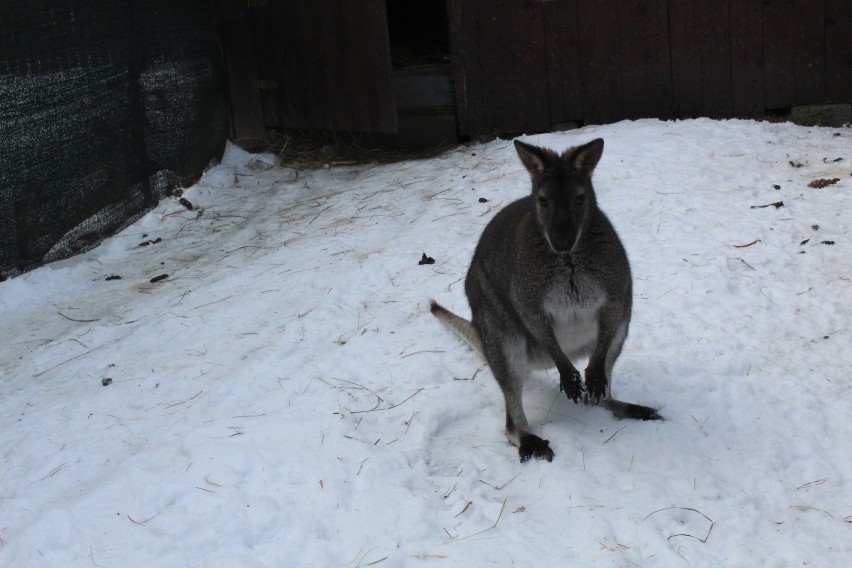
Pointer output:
x,y
580,199
542,202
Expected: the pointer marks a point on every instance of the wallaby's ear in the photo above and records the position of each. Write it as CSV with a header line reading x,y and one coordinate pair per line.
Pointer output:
x,y
584,158
535,159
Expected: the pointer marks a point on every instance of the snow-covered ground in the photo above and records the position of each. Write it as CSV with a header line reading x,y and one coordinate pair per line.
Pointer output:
x,y
284,398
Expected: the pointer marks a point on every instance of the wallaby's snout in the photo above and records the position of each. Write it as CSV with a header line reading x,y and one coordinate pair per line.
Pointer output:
x,y
561,219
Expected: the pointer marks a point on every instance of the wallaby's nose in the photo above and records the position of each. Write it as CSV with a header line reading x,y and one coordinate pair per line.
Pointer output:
x,y
561,243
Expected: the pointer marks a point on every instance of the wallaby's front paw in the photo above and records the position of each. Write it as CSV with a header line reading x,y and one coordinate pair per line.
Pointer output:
x,y
569,381
534,447
595,387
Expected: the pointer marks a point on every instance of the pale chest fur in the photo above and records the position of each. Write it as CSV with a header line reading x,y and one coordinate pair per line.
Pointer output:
x,y
574,316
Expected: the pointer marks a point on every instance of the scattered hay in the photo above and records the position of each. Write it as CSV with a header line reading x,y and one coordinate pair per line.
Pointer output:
x,y
311,150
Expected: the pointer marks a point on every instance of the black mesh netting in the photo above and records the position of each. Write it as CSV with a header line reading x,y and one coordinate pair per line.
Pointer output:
x,y
105,107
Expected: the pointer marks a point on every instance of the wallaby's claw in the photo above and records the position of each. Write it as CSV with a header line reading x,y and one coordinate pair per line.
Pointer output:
x,y
593,400
595,387
534,447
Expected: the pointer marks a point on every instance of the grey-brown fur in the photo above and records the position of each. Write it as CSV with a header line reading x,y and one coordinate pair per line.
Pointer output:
x,y
550,283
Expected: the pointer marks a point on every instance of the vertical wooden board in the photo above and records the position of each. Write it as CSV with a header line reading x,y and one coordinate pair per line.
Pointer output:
x,y
476,32
778,54
645,59
331,63
715,45
526,51
838,51
499,65
684,23
599,60
565,95
809,60
241,65
459,18
746,57
514,87
485,66
500,79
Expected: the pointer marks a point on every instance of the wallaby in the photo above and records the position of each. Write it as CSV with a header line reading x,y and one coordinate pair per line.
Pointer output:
x,y
550,283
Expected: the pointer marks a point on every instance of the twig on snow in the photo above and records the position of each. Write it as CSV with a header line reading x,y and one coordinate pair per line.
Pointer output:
x,y
811,484
55,470
499,516
40,373
500,487
806,508
79,321
450,491
776,205
141,523
418,391
701,540
422,351
472,376
91,557
211,303
613,435
407,426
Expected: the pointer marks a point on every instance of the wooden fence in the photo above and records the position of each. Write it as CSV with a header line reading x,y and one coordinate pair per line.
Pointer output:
x,y
524,65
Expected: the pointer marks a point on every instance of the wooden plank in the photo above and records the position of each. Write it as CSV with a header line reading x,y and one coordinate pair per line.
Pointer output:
x,y
778,54
838,51
600,60
565,95
684,21
241,65
715,45
500,67
498,81
458,23
809,59
645,59
471,31
526,51
329,63
746,20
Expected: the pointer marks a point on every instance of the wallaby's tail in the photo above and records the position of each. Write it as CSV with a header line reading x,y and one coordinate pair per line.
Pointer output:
x,y
457,325
629,410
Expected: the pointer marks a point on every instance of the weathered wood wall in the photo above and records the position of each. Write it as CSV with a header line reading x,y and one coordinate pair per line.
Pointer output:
x,y
527,65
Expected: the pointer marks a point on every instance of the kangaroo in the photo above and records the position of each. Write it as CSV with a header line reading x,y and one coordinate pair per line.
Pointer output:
x,y
549,284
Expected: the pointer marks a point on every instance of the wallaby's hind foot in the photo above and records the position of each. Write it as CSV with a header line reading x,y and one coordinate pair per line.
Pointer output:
x,y
629,410
532,446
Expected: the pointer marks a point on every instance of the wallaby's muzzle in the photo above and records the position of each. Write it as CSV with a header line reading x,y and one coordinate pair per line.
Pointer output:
x,y
562,243
563,228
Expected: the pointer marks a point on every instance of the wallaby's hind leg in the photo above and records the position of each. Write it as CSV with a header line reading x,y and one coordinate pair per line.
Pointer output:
x,y
599,373
507,358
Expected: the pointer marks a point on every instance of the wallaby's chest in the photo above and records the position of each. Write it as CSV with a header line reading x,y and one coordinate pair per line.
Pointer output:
x,y
573,309
572,304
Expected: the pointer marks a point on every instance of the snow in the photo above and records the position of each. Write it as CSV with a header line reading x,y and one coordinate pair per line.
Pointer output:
x,y
284,397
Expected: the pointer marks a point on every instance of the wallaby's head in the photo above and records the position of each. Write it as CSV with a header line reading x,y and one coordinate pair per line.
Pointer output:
x,y
562,190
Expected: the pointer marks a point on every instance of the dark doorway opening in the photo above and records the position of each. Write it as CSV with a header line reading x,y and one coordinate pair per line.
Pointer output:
x,y
418,33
